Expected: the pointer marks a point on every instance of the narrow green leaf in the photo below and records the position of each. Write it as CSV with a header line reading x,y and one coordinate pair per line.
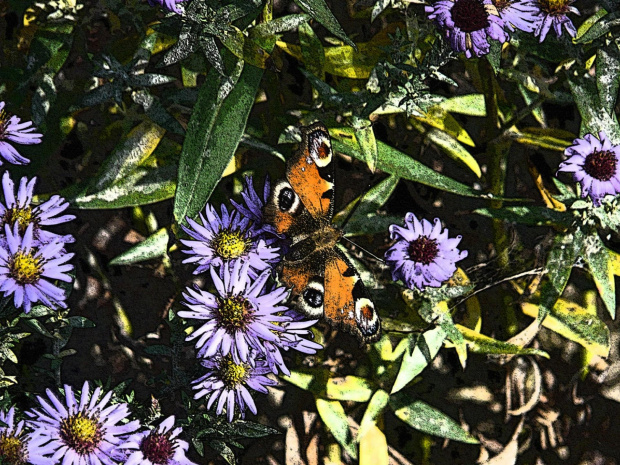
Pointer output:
x,y
495,55
80,322
453,149
599,28
159,349
349,388
213,134
365,137
400,164
335,419
422,350
469,104
224,450
312,51
152,247
560,261
608,75
531,216
37,326
319,10
481,344
427,419
379,7
599,260
250,429
589,22
377,404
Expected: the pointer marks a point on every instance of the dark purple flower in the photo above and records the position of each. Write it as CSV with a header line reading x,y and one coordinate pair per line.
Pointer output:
x,y
17,209
595,165
160,446
423,255
226,239
520,14
252,208
14,444
240,318
76,433
169,4
554,15
227,383
26,270
468,24
11,129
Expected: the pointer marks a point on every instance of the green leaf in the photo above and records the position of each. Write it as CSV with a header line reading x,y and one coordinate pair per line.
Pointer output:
x,y
427,419
379,7
599,260
335,419
37,326
377,404
421,351
350,388
400,164
608,75
80,322
224,450
213,134
588,23
365,137
481,344
159,349
250,429
154,246
319,10
599,28
495,55
531,216
469,104
453,149
576,323
546,138
312,51
559,264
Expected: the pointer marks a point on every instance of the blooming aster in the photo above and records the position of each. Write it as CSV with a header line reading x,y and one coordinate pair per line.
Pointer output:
x,y
89,432
228,238
595,165
240,318
468,24
520,14
169,4
14,445
160,446
17,210
227,383
554,15
423,255
252,208
25,270
11,129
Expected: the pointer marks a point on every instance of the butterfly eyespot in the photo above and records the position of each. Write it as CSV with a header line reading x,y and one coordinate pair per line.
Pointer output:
x,y
286,198
311,299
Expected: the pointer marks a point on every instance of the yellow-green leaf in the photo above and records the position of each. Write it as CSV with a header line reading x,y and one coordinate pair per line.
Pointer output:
x,y
351,388
335,419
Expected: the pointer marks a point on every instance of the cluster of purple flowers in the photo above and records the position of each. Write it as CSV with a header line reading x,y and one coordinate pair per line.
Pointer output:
x,y
246,325
468,24
87,429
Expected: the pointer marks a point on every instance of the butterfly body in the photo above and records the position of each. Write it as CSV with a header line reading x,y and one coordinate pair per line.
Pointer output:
x,y
324,284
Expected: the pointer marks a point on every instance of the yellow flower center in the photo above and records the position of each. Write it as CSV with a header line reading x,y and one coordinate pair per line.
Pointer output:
x,y
22,216
12,451
230,244
234,312
232,374
555,7
26,268
4,121
81,433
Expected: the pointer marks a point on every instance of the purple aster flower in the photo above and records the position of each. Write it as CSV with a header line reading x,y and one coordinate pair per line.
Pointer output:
x,y
89,432
13,130
26,270
468,24
14,445
226,382
17,210
169,4
241,318
253,209
160,446
554,14
228,238
423,255
594,164
520,14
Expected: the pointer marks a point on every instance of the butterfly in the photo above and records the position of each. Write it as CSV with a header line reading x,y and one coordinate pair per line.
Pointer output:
x,y
324,284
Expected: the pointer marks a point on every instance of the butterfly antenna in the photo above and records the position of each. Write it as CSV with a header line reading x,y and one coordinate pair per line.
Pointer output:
x,y
363,249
